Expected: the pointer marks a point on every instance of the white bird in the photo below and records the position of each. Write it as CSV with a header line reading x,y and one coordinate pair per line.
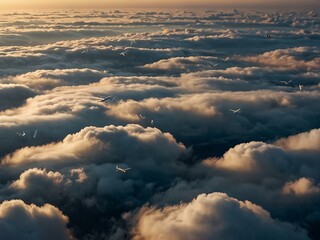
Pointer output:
x,y
21,134
106,99
235,111
35,133
151,121
226,59
122,170
286,82
123,53
142,117
214,65
300,87
134,41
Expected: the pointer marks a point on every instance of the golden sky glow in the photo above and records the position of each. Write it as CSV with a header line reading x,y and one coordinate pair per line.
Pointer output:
x,y
18,4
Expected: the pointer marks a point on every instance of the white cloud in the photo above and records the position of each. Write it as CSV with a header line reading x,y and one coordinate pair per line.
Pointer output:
x,y
144,148
33,176
303,141
286,59
300,187
211,215
20,221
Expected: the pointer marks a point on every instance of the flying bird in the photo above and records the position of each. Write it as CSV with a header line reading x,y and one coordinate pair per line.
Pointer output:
x,y
123,53
35,134
21,134
286,82
300,87
267,36
134,41
106,99
226,59
214,65
122,170
142,117
235,111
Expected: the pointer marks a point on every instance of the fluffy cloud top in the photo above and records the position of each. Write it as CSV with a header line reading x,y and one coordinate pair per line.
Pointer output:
x,y
144,148
21,221
302,186
252,157
48,79
308,141
211,215
34,176
286,59
14,95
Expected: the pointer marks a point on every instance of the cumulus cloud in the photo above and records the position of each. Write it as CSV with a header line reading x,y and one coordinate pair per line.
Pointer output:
x,y
48,79
179,64
14,95
300,187
80,175
262,173
94,144
216,215
246,157
97,151
19,220
308,141
287,59
200,113
33,176
269,160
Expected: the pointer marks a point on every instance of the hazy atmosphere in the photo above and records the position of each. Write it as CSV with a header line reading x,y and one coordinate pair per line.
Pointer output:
x,y
18,4
152,124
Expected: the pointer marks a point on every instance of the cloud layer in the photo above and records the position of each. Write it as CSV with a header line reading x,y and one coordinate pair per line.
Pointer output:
x,y
215,113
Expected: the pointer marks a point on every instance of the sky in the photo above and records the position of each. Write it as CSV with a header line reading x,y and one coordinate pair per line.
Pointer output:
x,y
21,4
215,112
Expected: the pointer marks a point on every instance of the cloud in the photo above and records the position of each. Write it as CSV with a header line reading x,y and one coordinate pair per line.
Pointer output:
x,y
287,59
308,141
93,144
14,95
33,175
179,64
300,187
247,157
270,159
215,214
200,113
86,174
19,220
49,79
273,177
169,120
80,174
